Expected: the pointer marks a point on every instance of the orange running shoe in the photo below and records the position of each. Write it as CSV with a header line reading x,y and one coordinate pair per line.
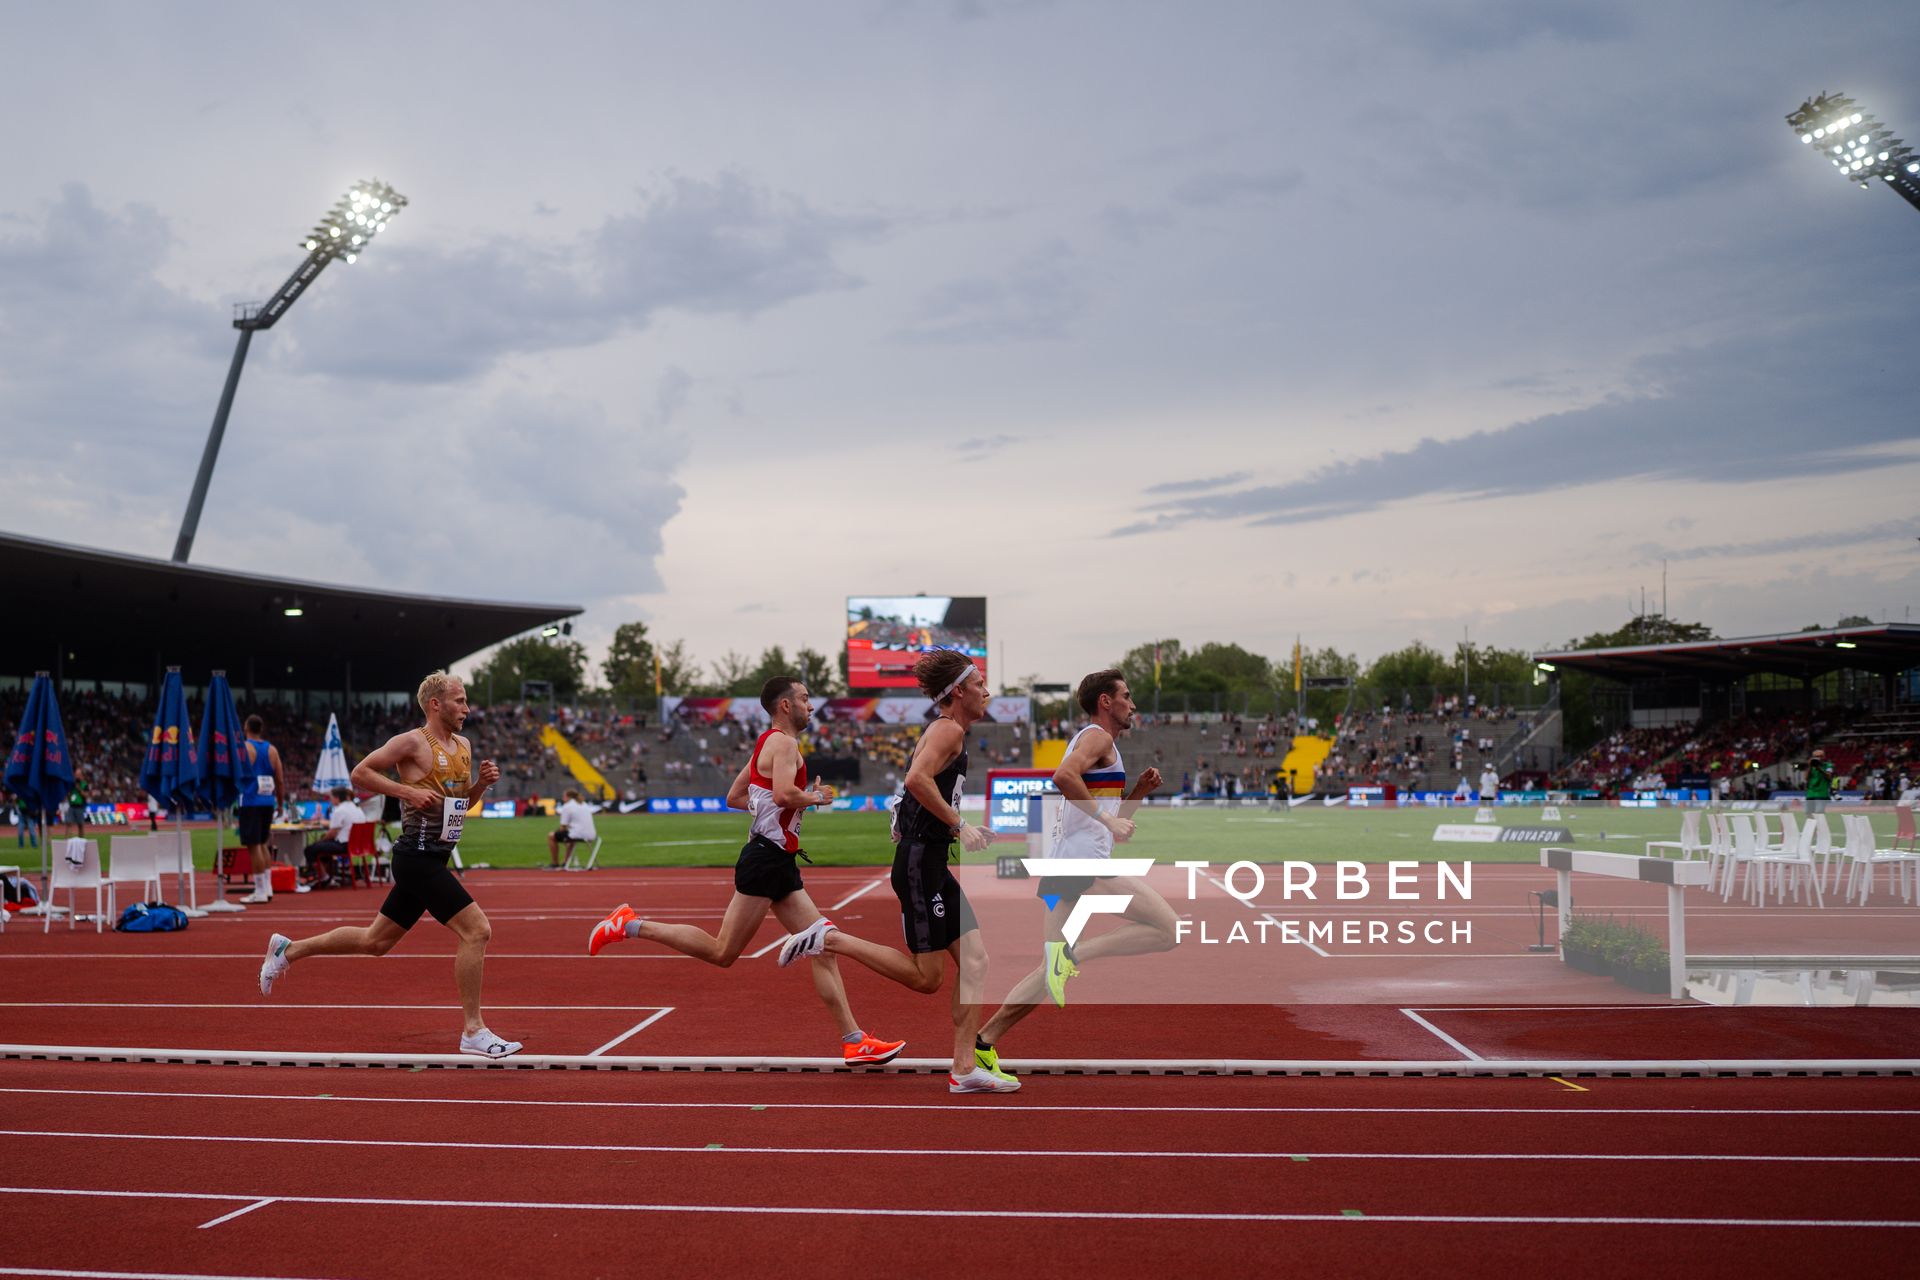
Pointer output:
x,y
871,1052
612,929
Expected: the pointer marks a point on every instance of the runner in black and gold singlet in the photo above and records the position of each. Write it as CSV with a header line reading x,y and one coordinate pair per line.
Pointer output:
x,y
437,787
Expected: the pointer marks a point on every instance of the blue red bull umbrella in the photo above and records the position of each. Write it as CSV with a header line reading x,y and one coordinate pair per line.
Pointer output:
x,y
224,771
39,770
171,771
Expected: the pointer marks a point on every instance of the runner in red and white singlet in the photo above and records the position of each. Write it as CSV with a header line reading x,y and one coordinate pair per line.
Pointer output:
x,y
772,786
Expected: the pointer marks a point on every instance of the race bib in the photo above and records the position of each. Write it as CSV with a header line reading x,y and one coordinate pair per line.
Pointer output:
x,y
263,784
453,816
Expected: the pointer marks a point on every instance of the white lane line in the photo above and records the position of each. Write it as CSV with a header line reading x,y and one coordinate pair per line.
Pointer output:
x,y
1558,1114
864,889
871,1211
658,1013
139,1004
61,957
868,887
1026,1153
1308,943
1444,1037
123,1275
229,1217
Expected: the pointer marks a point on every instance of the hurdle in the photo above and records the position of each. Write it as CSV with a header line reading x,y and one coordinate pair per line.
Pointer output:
x,y
1677,876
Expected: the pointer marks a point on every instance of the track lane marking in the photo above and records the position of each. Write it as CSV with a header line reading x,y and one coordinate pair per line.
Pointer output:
x,y
229,1217
864,889
1560,1113
1025,1153
874,1211
1450,1042
658,1013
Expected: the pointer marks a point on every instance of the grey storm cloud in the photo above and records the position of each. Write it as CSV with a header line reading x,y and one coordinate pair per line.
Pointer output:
x,y
1886,531
717,246
978,448
1235,187
1037,297
1748,410
1199,486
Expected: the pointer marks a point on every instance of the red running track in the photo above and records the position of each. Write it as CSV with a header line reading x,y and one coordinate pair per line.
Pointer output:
x,y
261,1171
197,990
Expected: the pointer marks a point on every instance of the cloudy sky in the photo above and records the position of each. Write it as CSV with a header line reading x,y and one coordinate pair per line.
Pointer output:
x,y
1227,321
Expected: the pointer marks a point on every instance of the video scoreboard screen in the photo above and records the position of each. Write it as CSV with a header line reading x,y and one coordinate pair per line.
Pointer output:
x,y
887,634
1008,791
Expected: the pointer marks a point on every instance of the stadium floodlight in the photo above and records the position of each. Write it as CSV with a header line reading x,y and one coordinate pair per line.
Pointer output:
x,y
344,231
1857,144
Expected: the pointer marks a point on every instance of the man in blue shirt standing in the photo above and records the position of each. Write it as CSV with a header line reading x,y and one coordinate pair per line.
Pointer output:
x,y
255,809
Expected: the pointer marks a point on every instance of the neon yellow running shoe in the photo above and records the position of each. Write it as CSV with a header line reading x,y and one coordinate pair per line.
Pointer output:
x,y
987,1059
1059,969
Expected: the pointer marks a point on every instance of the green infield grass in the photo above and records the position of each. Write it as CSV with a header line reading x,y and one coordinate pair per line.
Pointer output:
x,y
1311,832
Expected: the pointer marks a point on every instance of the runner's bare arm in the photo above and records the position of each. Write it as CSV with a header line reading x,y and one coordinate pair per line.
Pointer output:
x,y
484,777
780,761
279,778
737,793
1070,778
371,773
1143,786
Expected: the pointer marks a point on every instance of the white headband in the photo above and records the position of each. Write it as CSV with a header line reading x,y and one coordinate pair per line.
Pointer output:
x,y
958,680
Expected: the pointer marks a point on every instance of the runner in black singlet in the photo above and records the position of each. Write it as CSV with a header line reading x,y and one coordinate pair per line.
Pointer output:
x,y
934,913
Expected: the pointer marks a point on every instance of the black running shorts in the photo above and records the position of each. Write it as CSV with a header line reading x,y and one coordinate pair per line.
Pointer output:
x,y
423,882
255,822
933,910
1066,887
765,870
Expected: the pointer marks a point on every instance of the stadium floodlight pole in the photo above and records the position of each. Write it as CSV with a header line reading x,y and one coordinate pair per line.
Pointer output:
x,y
1858,145
344,232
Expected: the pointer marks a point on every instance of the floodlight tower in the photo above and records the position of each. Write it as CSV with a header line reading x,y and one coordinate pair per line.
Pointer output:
x,y
1858,145
344,232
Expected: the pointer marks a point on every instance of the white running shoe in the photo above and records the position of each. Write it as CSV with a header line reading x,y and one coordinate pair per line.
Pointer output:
x,y
254,897
981,1080
484,1044
276,962
810,941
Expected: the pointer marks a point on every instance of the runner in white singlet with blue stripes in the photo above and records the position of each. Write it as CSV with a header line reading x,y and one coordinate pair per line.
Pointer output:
x,y
1097,815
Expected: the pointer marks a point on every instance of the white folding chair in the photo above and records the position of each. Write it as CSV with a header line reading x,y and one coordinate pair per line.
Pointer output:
x,y
132,860
1689,842
593,855
73,879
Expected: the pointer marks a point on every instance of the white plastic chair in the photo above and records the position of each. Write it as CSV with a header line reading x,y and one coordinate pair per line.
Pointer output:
x,y
1784,870
1831,855
1740,852
1903,869
1688,845
73,879
132,860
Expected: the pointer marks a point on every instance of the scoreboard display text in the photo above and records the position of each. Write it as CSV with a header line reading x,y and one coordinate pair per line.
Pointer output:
x,y
1008,791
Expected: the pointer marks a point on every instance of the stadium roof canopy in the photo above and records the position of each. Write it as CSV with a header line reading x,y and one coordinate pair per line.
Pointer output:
x,y
127,618
1886,648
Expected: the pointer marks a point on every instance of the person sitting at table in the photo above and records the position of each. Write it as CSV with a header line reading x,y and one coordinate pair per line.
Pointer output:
x,y
321,853
576,825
